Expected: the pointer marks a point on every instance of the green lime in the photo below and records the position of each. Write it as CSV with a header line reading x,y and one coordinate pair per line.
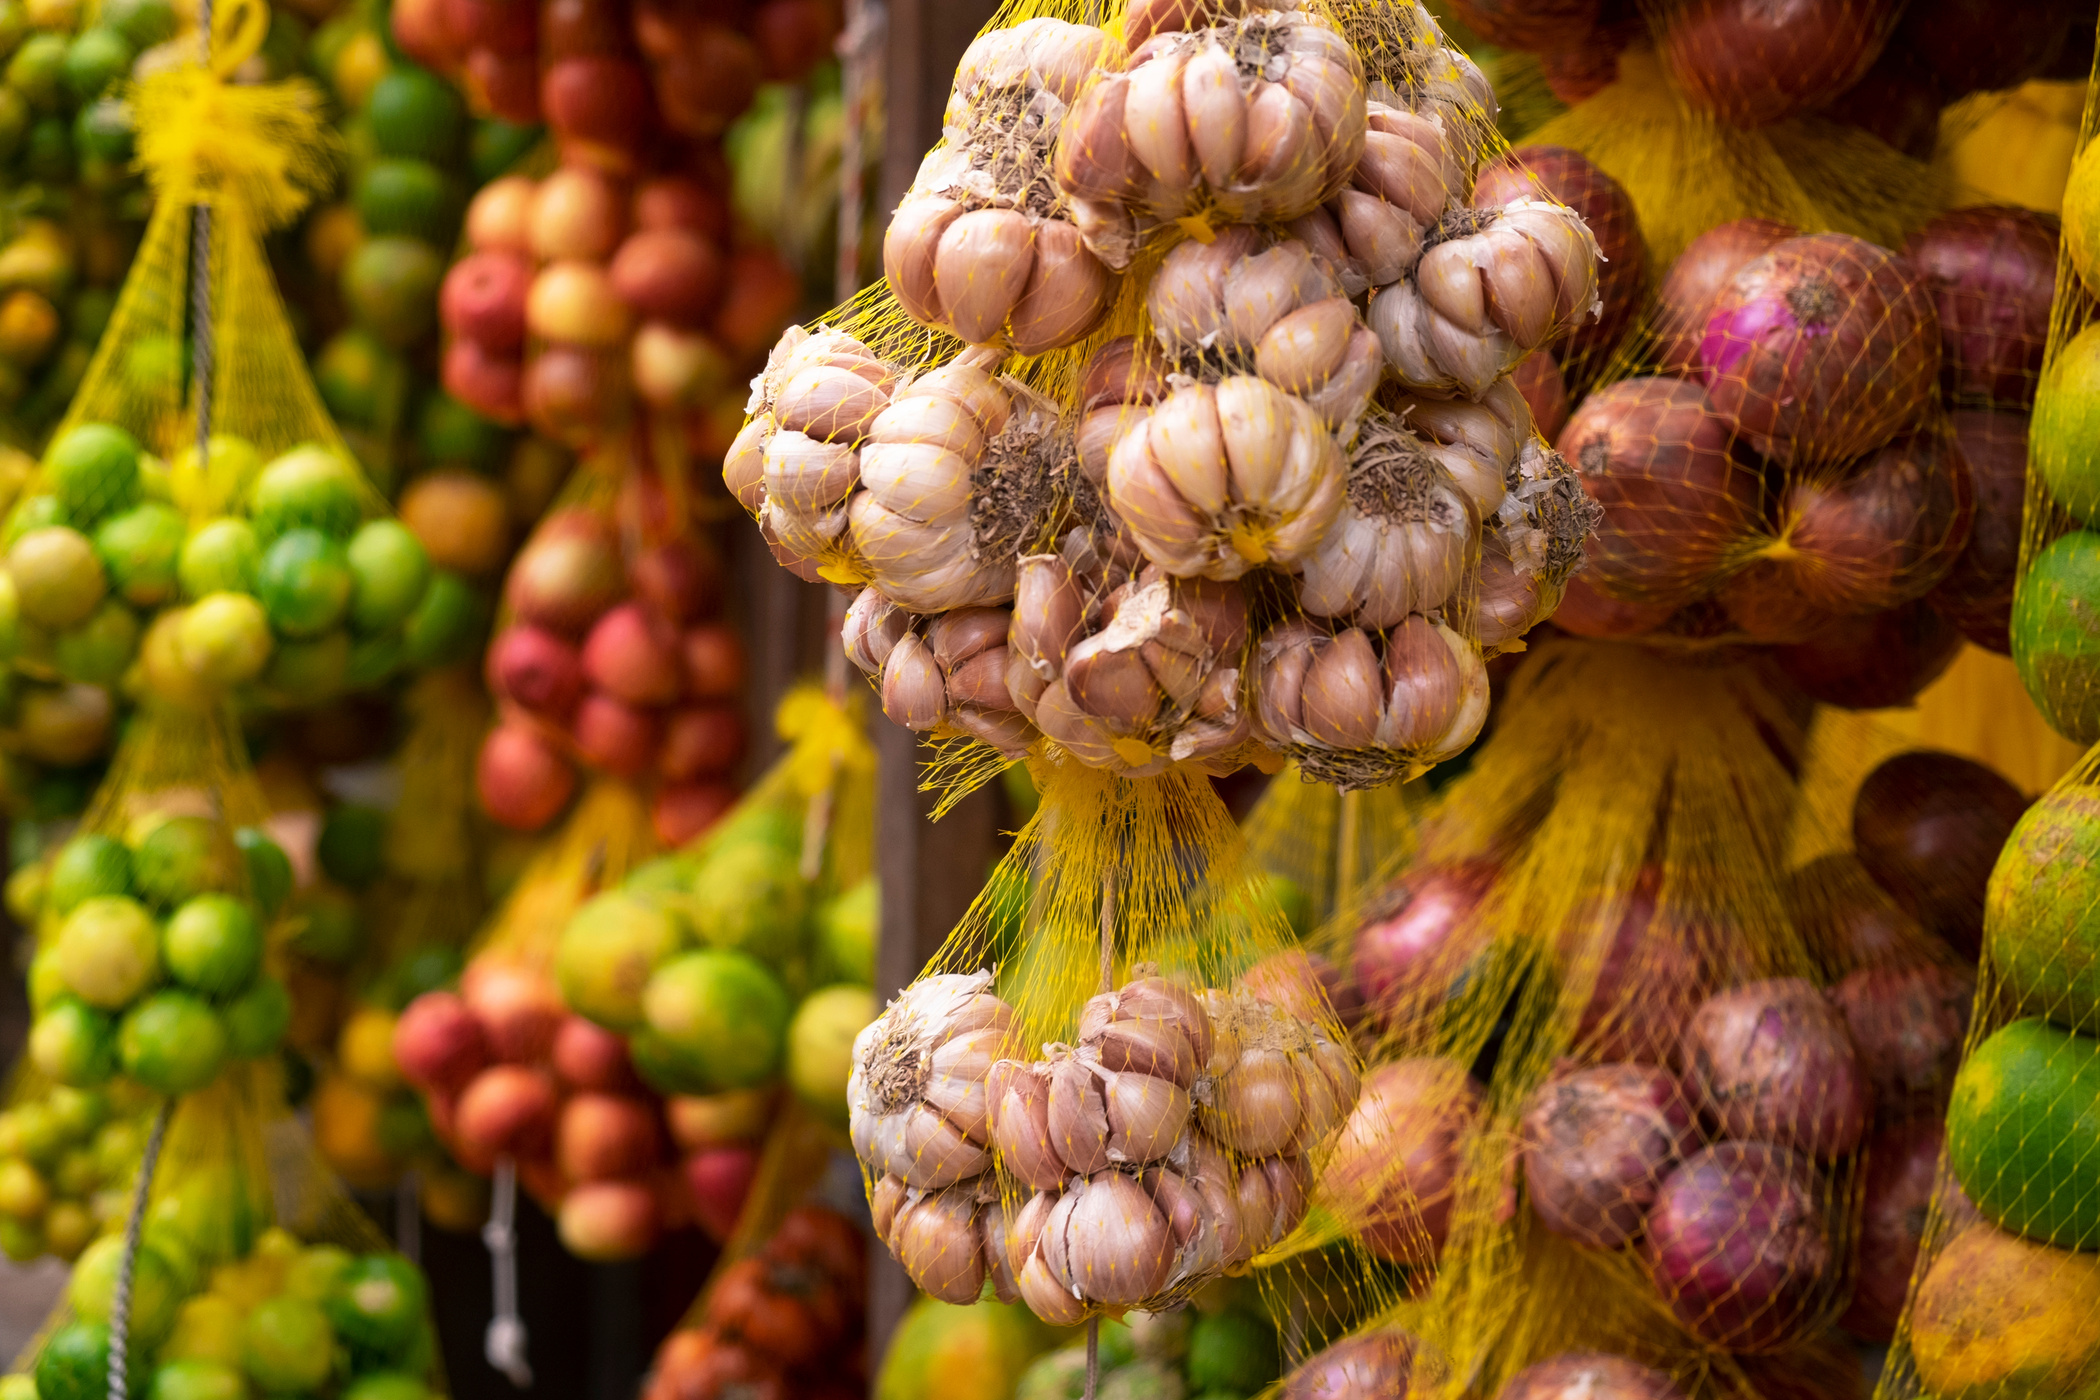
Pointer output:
x,y
224,639
212,945
308,488
172,1042
73,1043
304,583
359,378
607,952
86,866
2056,634
108,951
287,1347
23,1191
451,434
1233,1351
377,1306
144,22
27,888
447,624
158,365
98,650
328,928
269,869
257,1019
217,483
724,1012
46,982
81,1112
94,470
14,25
196,1380
21,1386
389,573
94,60
118,1147
497,145
2065,426
820,1047
222,556
2023,1132
74,1364
36,512
77,1174
846,928
751,896
310,670
49,155
58,578
383,1385
183,857
413,112
671,874
103,138
390,285
38,70
156,1289
315,1274
140,549
41,1133
403,195
352,848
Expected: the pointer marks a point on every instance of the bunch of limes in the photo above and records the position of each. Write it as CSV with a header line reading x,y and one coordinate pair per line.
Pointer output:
x,y
151,958
66,1156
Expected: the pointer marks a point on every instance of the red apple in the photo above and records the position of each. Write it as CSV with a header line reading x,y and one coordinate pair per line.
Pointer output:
x,y
679,201
574,303
600,107
505,85
675,369
541,1179
571,393
681,579
683,811
759,301
669,275
634,657
519,1007
601,1136
588,1056
438,1043
615,736
536,671
720,1178
568,573
605,1221
793,36
700,740
701,1121
579,214
505,26
484,298
522,782
501,215
492,384
421,30
714,662
506,1109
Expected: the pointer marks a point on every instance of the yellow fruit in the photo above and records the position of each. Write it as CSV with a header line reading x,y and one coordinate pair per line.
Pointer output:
x,y
331,237
207,1329
1997,1315
366,1048
359,66
2016,149
2082,216
346,1129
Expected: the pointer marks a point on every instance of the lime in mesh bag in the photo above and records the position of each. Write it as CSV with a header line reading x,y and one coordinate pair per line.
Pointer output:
x,y
66,1157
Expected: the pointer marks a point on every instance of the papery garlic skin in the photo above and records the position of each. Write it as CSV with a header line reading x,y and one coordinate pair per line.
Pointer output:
x,y
1405,540
1216,480
1274,1084
1536,543
1478,441
1492,286
952,674
917,1095
1257,118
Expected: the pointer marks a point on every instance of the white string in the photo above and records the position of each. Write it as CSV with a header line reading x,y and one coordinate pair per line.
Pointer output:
x,y
504,1343
134,1227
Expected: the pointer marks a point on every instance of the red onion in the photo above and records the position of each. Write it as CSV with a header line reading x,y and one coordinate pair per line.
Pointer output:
x,y
1822,349
1875,661
1883,532
1527,24
1991,270
1772,1060
1589,1375
1571,178
1585,612
1907,1024
1394,1170
1902,1162
1538,378
1655,456
1738,1245
1419,938
1582,68
1765,603
1977,592
1969,46
1822,1368
1696,280
1374,1366
1649,978
1898,102
1847,919
1597,1143
1928,827
1754,61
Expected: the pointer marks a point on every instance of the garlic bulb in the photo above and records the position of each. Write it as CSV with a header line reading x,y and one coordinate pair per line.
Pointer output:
x,y
1409,62
916,1097
1477,441
1494,285
980,245
935,1236
1118,382
1217,479
1358,708
953,676
1256,118
1274,1084
1533,547
958,474
1404,540
1412,173
1277,311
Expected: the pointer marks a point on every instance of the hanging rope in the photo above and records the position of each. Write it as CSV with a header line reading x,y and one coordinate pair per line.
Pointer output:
x,y
504,1343
134,1227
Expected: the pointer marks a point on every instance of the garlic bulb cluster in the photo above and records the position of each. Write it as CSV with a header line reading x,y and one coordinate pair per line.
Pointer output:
x,y
1533,546
1406,537
1274,1085
1129,674
1278,311
981,245
1360,707
1477,441
1260,117
949,673
916,1098
1492,286
796,461
1413,170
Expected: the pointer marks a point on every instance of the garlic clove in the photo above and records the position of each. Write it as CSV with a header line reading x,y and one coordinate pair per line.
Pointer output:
x,y
921,482
829,404
998,1266
1066,294
1215,1189
1216,114
1279,706
1279,136
966,381
1449,280
1395,316
1146,1116
1322,235
981,682
1047,1298
939,1246
1023,686
1305,349
1220,697
930,420
1078,1119
1384,237
744,465
913,691
1007,730
1341,695
1153,999
1473,361
981,265
1520,287
1177,673
1473,697
1341,401
1260,289
872,626
955,1079
885,1199
1167,528
808,476
1049,612
1152,121
908,250
1256,1107
957,636
1256,420
1152,1046
1177,1202
1096,437
1094,159
1053,1241
1218,607
1333,96
1112,681
1338,579
1020,1099
1187,444
1120,1248
1423,685
1078,733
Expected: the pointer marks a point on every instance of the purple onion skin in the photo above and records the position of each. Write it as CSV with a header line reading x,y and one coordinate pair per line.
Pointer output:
x,y
1772,1061
1374,1366
1597,1144
1902,1164
1739,1247
1590,1375
1992,273
1908,1024
1420,940
1977,593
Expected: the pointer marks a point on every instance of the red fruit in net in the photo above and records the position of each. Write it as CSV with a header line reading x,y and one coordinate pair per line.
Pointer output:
x,y
616,737
1570,178
1977,593
1848,921
492,384
484,299
1902,1162
1907,1024
1597,1144
682,202
1646,973
683,811
700,741
1696,281
568,573
634,657
793,36
668,275
519,1008
1883,531
714,662
522,782
760,297
704,1365
536,671
1307,985
1656,457
505,85
1873,662
506,1110
599,106
1739,1247
720,1178
1969,47
505,26
1419,938
438,1043
1991,270
1897,101
1772,1060
588,1056
1394,1170
1928,827
1822,349
681,580
1367,1367
604,1221
1585,612
1590,1375
705,73
422,29
602,1136
1753,61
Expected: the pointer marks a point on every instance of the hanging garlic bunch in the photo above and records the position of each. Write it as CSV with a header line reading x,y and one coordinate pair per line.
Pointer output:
x,y
949,674
1533,546
1492,285
981,244
1119,381
1235,305
1257,118
1217,479
1359,708
1130,675
917,1092
1477,440
959,473
795,461
1413,172
1275,1085
948,1239
1404,541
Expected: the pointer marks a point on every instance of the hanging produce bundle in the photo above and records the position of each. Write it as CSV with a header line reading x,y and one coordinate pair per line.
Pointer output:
x,y
66,1156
